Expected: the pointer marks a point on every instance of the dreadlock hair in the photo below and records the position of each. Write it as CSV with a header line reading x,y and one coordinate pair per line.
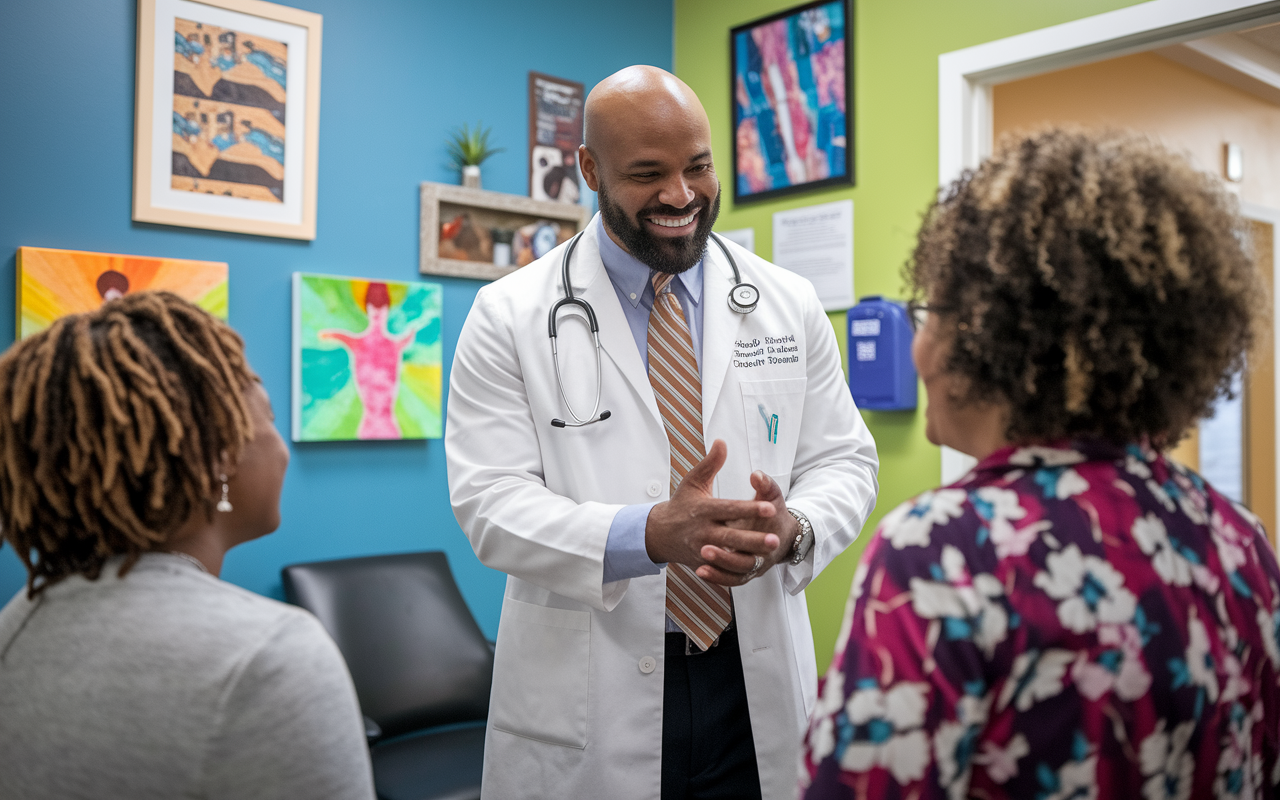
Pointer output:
x,y
116,426
1096,282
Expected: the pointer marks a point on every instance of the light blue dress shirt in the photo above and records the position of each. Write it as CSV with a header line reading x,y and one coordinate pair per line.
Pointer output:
x,y
625,555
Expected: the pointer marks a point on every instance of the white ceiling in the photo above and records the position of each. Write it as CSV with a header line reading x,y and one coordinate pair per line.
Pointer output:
x,y
1248,60
1267,37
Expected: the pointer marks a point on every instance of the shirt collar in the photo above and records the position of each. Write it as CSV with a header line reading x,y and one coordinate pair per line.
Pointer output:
x,y
1063,453
632,276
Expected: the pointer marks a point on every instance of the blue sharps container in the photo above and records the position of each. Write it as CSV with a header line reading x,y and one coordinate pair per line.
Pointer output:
x,y
881,374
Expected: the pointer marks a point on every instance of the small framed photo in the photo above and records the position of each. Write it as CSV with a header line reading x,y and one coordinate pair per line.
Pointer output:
x,y
227,116
555,132
792,76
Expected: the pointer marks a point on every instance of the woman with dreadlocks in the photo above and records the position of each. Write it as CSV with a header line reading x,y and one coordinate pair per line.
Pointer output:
x,y
136,448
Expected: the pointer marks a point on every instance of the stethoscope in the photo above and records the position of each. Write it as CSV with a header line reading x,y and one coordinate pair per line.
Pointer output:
x,y
743,298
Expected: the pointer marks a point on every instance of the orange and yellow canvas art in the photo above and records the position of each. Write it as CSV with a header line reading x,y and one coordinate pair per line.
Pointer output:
x,y
54,283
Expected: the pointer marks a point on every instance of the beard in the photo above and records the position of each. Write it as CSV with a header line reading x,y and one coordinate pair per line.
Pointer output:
x,y
668,255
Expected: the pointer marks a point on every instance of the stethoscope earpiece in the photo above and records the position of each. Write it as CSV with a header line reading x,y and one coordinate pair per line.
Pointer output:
x,y
743,298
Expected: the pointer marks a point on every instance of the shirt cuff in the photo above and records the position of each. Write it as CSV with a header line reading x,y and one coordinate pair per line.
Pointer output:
x,y
625,555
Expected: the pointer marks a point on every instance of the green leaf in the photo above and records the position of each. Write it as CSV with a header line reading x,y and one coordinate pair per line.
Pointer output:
x,y
468,146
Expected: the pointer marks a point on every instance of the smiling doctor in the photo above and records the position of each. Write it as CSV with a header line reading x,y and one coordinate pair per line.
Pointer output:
x,y
654,640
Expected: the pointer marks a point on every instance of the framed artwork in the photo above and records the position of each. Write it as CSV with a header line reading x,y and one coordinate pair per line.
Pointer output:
x,y
54,283
555,131
367,359
227,116
792,101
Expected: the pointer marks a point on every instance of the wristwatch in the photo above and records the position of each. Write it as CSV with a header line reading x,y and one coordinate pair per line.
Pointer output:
x,y
804,539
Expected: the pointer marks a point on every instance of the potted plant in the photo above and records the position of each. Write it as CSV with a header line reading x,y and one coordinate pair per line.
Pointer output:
x,y
468,148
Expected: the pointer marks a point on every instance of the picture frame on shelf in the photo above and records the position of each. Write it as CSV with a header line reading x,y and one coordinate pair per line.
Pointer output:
x,y
791,90
227,111
474,233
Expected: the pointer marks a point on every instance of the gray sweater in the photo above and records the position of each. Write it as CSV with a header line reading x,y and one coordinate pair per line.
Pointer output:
x,y
170,683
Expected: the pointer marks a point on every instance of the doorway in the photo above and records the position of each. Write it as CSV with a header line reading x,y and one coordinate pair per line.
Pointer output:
x,y
1235,449
1114,70
1201,115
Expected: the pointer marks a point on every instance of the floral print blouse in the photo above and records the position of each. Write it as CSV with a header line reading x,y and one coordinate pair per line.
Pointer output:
x,y
1080,621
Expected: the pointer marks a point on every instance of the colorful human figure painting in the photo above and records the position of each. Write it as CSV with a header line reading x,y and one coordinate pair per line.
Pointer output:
x,y
228,112
790,116
54,283
366,359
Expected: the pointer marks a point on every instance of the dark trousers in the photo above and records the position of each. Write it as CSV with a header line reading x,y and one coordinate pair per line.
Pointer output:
x,y
707,749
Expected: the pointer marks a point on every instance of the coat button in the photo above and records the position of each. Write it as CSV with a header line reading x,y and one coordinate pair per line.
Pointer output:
x,y
647,665
654,488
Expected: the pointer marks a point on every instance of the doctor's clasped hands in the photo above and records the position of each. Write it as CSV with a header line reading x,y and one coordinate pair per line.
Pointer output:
x,y
720,538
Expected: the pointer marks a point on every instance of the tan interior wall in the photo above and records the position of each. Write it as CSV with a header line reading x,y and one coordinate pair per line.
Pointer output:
x,y
1186,110
1194,114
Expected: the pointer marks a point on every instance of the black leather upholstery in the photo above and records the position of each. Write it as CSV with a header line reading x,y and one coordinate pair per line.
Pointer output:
x,y
418,660
454,757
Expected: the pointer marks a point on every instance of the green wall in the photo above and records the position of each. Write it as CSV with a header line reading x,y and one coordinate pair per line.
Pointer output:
x,y
895,105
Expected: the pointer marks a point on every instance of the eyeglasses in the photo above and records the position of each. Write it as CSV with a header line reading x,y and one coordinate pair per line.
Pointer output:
x,y
918,312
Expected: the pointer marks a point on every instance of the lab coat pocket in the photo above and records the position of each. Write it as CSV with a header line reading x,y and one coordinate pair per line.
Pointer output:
x,y
540,673
773,409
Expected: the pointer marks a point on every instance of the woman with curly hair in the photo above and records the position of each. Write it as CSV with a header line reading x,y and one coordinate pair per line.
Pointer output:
x,y
1078,616
136,448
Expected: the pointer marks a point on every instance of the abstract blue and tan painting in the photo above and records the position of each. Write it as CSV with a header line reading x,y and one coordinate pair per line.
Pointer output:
x,y
366,359
229,91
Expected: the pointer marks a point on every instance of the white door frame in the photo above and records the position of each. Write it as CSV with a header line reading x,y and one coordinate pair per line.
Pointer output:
x,y
1272,217
966,79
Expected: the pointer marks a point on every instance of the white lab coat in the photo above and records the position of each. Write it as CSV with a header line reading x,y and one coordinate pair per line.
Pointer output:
x,y
576,709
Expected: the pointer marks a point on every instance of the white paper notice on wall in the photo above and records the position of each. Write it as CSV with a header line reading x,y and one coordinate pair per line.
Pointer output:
x,y
817,242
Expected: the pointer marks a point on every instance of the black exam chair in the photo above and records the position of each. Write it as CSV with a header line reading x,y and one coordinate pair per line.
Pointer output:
x,y
421,667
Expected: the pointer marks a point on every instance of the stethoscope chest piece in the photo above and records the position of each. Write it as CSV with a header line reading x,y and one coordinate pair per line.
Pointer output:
x,y
743,298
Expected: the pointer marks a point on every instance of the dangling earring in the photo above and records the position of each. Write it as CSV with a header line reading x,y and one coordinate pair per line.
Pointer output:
x,y
224,505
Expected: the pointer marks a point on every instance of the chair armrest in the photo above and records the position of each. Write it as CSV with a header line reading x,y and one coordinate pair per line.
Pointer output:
x,y
372,731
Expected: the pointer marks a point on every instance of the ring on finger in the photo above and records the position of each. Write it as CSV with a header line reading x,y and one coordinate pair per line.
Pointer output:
x,y
755,568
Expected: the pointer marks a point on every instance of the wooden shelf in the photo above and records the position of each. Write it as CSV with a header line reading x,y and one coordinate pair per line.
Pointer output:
x,y
441,202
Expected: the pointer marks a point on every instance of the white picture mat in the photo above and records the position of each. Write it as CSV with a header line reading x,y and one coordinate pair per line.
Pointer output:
x,y
817,243
162,193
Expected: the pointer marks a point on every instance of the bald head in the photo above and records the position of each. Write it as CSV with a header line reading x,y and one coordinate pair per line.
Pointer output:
x,y
639,94
647,152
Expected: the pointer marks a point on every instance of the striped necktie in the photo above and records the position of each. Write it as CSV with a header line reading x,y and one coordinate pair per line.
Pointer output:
x,y
701,609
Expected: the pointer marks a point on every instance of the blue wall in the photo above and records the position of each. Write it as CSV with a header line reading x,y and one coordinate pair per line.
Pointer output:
x,y
397,75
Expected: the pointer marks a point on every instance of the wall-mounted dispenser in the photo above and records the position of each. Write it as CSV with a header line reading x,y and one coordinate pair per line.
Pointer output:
x,y
882,376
